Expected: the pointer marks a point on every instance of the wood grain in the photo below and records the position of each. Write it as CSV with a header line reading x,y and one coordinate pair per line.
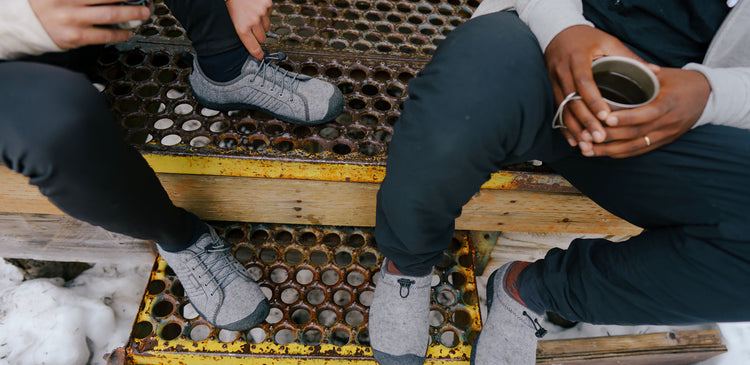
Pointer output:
x,y
62,238
682,347
275,200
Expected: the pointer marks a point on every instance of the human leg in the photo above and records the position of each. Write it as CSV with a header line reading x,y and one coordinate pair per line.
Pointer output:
x,y
690,265
64,138
208,25
484,101
56,129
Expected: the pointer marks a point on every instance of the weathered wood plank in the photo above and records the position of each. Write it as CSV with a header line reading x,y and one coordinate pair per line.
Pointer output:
x,y
275,200
62,238
683,347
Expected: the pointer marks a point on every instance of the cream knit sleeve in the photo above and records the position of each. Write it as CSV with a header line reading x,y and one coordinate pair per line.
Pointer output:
x,y
21,33
545,18
729,103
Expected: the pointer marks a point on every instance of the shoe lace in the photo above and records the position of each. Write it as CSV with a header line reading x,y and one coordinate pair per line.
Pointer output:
x,y
276,75
219,265
405,284
540,331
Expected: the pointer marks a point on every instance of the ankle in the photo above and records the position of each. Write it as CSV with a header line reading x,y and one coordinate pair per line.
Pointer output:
x,y
511,280
224,66
391,268
192,230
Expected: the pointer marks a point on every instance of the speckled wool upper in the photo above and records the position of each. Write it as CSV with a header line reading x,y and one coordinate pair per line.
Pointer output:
x,y
399,318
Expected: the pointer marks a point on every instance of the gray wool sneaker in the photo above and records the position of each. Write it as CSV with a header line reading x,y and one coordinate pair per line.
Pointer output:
x,y
263,85
509,335
398,321
218,286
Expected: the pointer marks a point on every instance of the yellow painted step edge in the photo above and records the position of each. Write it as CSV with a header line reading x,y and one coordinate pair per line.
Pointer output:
x,y
344,172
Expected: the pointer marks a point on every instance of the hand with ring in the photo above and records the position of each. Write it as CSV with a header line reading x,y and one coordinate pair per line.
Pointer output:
x,y
568,58
675,110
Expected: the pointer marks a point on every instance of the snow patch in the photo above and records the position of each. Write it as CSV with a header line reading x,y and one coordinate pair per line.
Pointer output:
x,y
48,321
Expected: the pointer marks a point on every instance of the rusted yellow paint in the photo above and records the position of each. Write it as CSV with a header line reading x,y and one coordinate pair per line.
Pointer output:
x,y
185,359
150,348
227,166
330,171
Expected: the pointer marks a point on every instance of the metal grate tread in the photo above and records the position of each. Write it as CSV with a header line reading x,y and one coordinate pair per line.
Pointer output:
x,y
370,50
320,282
390,28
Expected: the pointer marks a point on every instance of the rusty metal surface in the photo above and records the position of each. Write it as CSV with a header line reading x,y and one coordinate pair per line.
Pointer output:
x,y
483,243
395,29
369,49
149,92
320,282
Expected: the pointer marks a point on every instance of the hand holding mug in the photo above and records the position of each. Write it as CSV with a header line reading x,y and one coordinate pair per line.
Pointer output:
x,y
623,83
630,132
569,57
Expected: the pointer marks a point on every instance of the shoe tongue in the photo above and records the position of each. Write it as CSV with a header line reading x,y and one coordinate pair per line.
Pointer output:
x,y
209,240
251,65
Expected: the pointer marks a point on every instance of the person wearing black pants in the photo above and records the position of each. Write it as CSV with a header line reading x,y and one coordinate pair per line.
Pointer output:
x,y
57,130
486,100
103,181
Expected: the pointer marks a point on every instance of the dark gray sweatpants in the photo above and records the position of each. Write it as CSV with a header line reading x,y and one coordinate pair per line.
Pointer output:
x,y
485,101
56,129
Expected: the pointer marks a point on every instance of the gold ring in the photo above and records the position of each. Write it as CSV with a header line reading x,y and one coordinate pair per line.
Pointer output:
x,y
648,141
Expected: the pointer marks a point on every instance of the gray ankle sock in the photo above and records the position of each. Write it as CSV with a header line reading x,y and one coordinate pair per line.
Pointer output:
x,y
399,318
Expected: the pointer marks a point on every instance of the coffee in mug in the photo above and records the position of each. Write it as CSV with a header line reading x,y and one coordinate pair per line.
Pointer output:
x,y
624,83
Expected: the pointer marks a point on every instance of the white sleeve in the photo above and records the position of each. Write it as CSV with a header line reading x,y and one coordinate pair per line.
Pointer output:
x,y
545,18
729,102
21,33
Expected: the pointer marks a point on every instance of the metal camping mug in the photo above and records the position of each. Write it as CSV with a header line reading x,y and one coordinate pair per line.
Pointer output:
x,y
132,24
624,83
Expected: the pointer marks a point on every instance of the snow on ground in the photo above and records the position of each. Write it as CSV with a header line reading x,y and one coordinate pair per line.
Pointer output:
x,y
48,321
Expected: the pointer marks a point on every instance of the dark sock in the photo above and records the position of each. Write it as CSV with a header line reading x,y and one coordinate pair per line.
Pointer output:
x,y
224,66
199,229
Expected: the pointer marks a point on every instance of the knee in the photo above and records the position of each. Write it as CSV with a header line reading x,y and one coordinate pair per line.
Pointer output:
x,y
79,110
494,41
56,114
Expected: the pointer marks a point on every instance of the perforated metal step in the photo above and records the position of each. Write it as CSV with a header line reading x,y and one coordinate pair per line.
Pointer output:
x,y
320,282
148,89
369,49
